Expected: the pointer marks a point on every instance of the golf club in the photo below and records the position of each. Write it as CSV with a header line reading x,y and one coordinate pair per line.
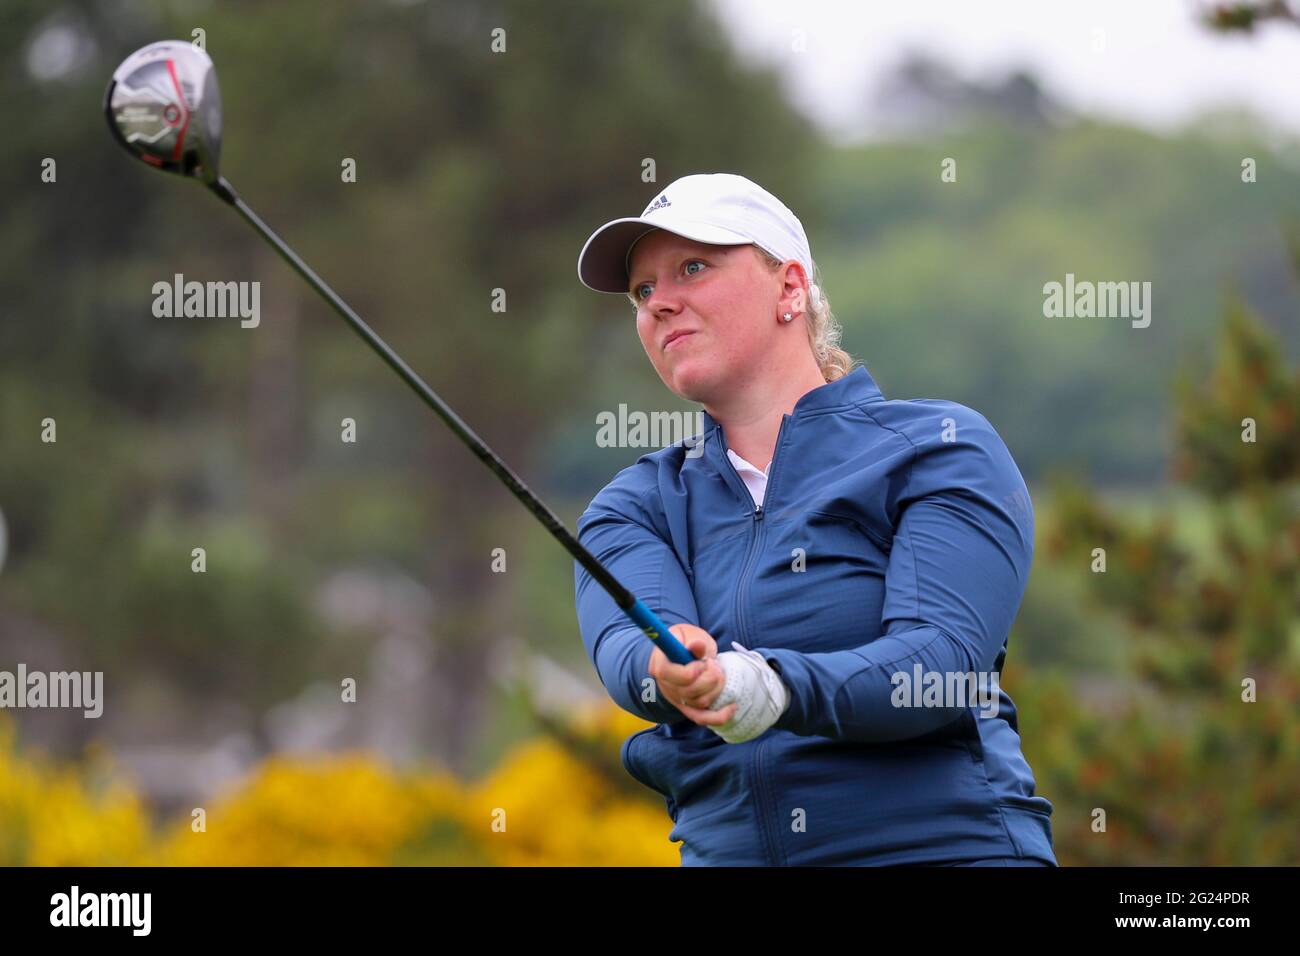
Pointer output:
x,y
164,107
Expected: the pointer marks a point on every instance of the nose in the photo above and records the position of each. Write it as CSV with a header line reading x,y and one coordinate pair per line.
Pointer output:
x,y
662,302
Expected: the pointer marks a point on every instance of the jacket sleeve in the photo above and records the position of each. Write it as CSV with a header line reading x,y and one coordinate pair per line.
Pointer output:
x,y
958,566
619,531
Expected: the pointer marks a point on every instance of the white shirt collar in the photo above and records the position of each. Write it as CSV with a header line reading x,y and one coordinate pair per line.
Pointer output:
x,y
742,465
755,480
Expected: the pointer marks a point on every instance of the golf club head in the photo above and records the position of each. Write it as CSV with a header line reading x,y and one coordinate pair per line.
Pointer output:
x,y
164,106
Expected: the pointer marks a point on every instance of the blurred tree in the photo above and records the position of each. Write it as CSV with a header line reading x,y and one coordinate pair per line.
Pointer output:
x,y
1246,17
924,95
1200,762
479,169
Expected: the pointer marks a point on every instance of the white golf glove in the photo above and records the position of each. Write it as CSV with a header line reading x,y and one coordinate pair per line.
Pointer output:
x,y
760,695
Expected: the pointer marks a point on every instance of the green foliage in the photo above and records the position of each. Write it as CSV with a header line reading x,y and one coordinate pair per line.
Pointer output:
x,y
1250,388
1193,748
479,172
476,171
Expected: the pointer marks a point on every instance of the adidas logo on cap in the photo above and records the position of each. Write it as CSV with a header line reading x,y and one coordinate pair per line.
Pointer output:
x,y
659,203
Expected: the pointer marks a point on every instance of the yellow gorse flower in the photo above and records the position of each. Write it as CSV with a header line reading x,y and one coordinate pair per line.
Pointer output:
x,y
544,804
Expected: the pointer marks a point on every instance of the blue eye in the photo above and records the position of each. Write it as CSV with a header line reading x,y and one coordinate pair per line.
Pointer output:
x,y
637,291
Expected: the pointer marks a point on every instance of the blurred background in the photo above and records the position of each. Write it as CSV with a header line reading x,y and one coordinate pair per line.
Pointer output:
x,y
1117,142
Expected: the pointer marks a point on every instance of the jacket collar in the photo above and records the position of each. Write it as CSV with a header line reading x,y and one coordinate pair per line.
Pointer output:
x,y
857,386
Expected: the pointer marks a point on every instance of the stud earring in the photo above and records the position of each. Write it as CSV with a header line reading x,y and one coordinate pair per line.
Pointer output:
x,y
788,317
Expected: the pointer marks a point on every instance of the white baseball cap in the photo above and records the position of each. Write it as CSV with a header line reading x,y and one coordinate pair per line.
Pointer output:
x,y
717,208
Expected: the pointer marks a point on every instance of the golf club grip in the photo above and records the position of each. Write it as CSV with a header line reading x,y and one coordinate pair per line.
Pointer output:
x,y
658,632
632,606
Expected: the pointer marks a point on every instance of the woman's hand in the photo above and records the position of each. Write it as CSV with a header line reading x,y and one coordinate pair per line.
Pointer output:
x,y
691,688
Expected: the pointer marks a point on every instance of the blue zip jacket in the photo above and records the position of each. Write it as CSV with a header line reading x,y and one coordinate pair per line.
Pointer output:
x,y
892,534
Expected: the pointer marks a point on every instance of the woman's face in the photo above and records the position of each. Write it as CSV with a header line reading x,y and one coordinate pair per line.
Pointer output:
x,y
723,297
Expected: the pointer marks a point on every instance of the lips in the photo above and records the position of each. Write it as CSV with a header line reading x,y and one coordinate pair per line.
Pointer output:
x,y
674,336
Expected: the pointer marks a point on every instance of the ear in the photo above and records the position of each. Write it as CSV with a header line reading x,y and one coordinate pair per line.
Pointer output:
x,y
794,288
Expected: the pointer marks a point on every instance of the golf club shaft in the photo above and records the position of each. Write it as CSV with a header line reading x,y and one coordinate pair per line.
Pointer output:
x,y
631,605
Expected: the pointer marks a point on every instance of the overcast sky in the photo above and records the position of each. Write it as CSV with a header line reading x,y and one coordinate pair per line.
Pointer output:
x,y
1144,61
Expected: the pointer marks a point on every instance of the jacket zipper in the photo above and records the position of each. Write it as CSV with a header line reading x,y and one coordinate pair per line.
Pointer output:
x,y
767,808
742,627
763,799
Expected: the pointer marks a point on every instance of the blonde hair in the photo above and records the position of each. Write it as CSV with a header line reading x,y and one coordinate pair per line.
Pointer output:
x,y
824,330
